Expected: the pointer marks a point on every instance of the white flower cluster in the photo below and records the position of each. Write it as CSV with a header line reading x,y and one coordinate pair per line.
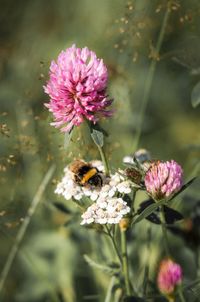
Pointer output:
x,y
107,207
111,185
106,210
68,188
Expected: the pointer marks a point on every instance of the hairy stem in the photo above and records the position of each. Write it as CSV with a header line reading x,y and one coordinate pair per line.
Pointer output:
x,y
164,231
146,276
104,160
114,244
125,262
150,76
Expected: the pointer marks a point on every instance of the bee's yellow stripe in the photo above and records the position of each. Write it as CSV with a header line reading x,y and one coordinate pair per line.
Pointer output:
x,y
88,175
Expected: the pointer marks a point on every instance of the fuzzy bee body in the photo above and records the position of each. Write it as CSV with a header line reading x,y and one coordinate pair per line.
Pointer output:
x,y
85,174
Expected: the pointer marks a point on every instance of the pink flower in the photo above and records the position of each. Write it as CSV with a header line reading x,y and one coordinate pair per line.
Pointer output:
x,y
77,88
169,276
163,179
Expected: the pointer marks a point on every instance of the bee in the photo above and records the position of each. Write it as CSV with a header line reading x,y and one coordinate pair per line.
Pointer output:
x,y
85,174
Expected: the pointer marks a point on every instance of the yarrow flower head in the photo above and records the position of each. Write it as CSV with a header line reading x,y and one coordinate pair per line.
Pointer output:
x,y
169,276
116,183
163,179
106,210
107,206
77,88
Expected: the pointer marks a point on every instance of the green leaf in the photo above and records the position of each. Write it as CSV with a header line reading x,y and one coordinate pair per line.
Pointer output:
x,y
171,215
147,211
67,138
185,186
97,137
61,207
153,217
195,95
112,269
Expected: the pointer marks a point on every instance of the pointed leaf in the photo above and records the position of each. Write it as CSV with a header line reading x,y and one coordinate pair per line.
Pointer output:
x,y
150,209
184,187
97,137
112,269
153,217
145,204
195,95
172,215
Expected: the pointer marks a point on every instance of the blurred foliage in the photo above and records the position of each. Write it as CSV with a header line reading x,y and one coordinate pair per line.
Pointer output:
x,y
50,264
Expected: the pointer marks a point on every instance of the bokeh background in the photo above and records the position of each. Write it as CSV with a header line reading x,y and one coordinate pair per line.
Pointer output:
x,y
49,265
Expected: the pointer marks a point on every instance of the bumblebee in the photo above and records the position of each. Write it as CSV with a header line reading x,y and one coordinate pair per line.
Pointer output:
x,y
85,174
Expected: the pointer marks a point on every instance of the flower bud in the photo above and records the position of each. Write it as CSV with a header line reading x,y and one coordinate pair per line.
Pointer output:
x,y
124,223
169,276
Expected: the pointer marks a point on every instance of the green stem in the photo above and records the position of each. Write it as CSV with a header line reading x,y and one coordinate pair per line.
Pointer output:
x,y
133,200
114,244
180,293
164,230
110,289
150,76
125,262
104,160
146,277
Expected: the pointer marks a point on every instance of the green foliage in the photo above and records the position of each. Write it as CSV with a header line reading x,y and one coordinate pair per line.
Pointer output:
x,y
184,187
97,136
49,260
149,210
112,269
50,264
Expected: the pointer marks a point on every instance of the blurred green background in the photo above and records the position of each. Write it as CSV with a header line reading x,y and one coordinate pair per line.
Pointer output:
x,y
49,265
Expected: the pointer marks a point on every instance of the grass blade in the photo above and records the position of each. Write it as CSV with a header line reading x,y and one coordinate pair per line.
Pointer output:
x,y
147,211
23,228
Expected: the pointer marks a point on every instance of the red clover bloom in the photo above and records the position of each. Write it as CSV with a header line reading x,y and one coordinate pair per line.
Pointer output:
x,y
163,179
169,276
77,88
